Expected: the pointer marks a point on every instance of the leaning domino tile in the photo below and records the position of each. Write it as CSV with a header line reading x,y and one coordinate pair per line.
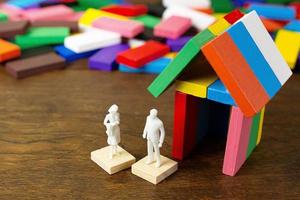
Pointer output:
x,y
70,55
13,13
172,27
11,28
92,14
267,46
105,59
142,55
177,44
277,12
288,43
237,141
40,36
176,67
293,26
248,93
154,67
91,40
58,12
199,19
254,58
8,51
127,10
189,3
35,65
128,28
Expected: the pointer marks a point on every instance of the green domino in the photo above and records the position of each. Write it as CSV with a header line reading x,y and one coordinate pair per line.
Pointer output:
x,y
253,134
148,20
183,58
94,3
3,17
222,7
41,36
279,1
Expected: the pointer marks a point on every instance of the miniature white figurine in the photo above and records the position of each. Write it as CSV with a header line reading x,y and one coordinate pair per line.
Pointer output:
x,y
112,121
155,133
104,157
145,168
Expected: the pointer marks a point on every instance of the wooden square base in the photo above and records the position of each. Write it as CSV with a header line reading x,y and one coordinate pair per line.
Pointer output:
x,y
152,173
121,161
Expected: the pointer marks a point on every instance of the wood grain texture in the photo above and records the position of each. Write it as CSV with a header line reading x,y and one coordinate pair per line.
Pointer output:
x,y
50,123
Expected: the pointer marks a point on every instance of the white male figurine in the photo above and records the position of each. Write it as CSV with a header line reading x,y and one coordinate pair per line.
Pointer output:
x,y
155,133
112,121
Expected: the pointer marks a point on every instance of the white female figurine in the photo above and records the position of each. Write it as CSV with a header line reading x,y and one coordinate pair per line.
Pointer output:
x,y
112,121
155,133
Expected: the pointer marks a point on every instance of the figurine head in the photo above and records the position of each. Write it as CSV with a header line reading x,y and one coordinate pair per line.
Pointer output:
x,y
153,113
113,109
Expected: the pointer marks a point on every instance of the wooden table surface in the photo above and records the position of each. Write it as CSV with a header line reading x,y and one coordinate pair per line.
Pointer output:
x,y
50,123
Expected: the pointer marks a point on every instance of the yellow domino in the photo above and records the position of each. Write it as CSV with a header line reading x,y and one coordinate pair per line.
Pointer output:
x,y
219,27
196,86
219,15
171,55
92,14
288,43
261,122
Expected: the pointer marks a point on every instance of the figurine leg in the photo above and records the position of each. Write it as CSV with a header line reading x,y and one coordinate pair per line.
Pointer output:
x,y
150,152
157,155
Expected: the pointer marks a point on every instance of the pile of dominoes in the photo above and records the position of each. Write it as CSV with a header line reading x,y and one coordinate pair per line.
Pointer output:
x,y
227,58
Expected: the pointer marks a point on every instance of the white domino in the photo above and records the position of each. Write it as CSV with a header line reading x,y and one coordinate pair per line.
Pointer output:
x,y
189,3
199,19
267,46
91,40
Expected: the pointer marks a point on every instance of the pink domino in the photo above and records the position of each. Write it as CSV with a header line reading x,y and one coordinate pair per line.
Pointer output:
x,y
237,141
173,27
14,13
128,28
57,12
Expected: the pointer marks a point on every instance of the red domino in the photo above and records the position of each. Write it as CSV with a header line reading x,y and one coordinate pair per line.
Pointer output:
x,y
296,5
233,16
127,10
185,124
142,55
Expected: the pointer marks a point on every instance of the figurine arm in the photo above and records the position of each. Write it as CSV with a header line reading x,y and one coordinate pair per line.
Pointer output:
x,y
105,122
162,135
145,129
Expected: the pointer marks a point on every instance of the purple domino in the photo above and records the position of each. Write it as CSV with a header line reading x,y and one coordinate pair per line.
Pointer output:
x,y
105,58
177,44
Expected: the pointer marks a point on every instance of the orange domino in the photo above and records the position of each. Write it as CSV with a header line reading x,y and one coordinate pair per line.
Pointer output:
x,y
236,74
8,51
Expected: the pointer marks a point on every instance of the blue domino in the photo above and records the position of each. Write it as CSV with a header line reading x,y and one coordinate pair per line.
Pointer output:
x,y
25,3
254,58
293,26
276,12
217,92
154,67
70,55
